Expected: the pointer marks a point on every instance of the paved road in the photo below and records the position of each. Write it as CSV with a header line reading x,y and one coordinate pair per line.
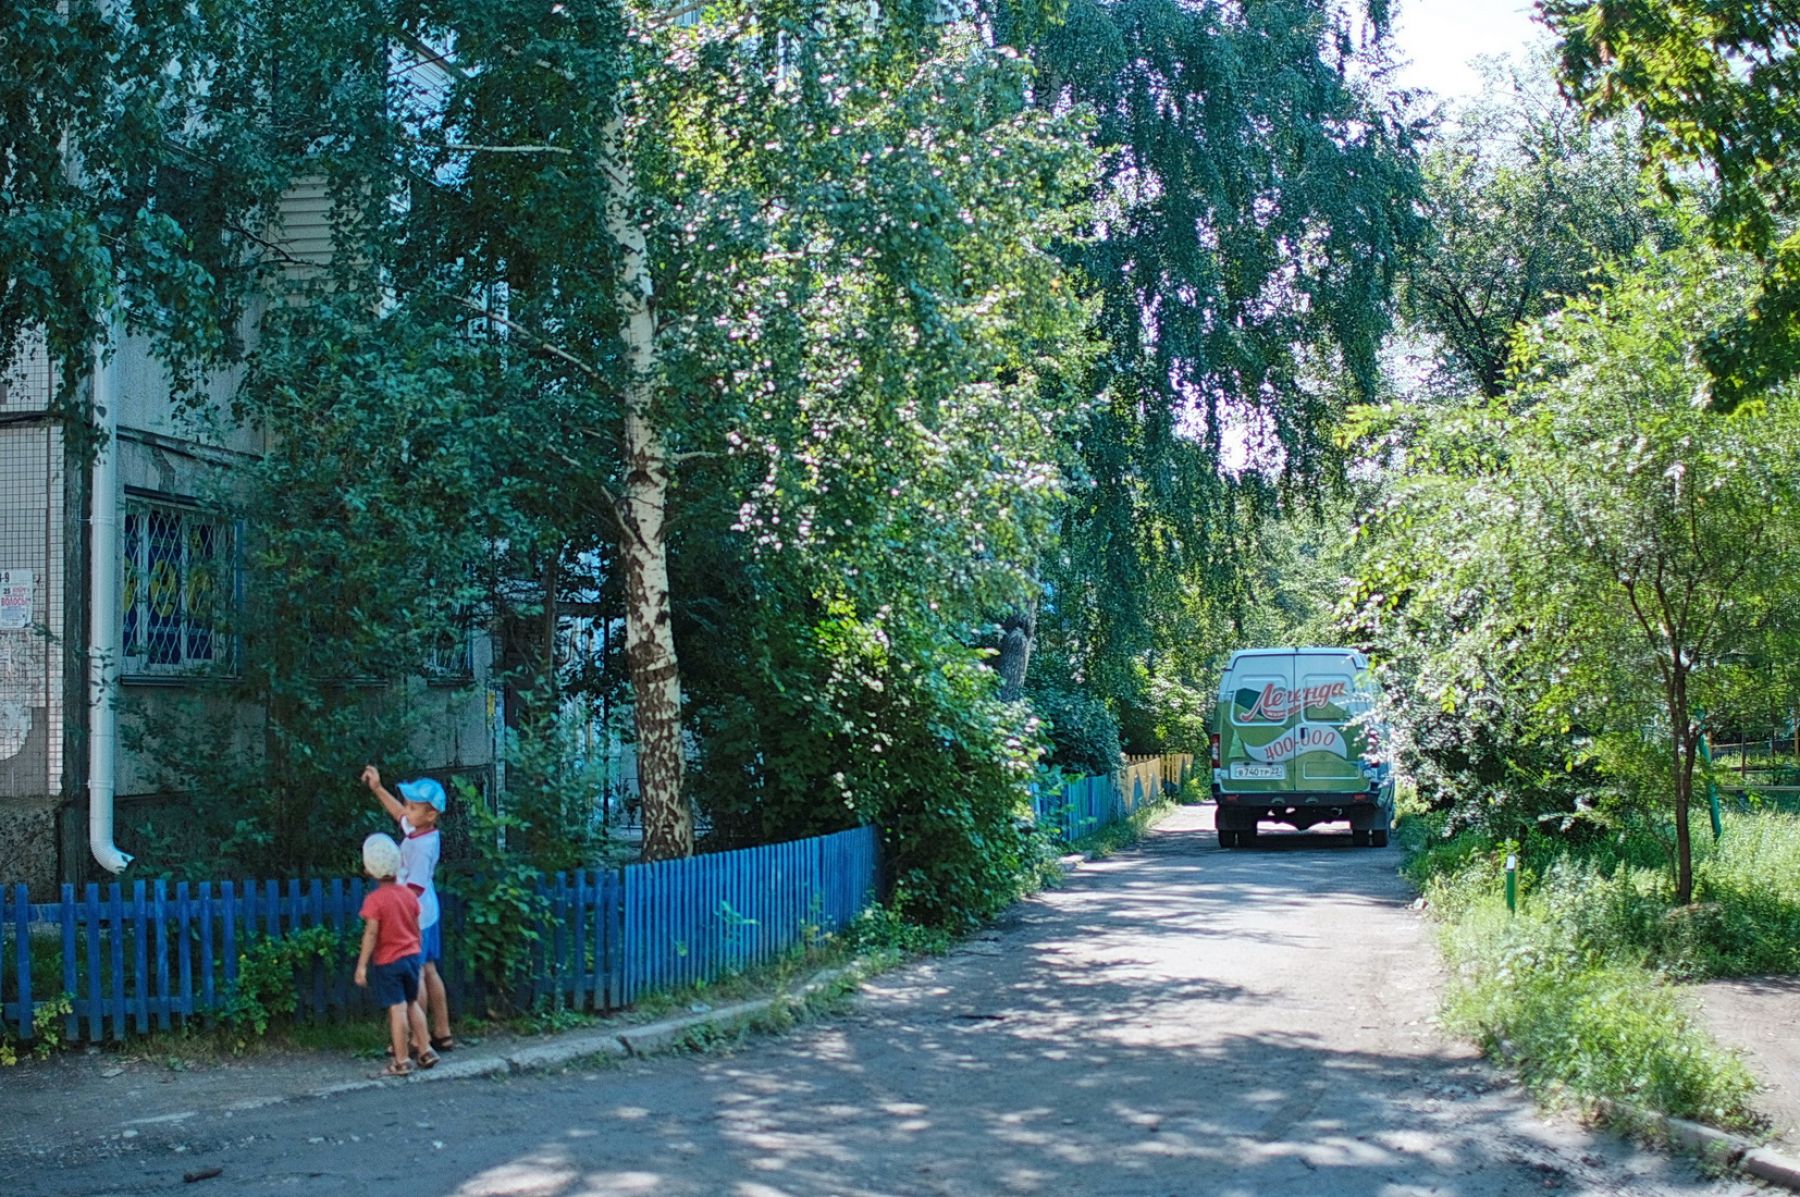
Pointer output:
x,y
1174,1021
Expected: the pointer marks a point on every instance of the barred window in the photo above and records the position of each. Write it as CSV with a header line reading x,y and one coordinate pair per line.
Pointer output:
x,y
180,572
451,657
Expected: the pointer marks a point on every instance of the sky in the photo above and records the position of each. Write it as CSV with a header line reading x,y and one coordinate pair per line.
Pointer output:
x,y
1436,38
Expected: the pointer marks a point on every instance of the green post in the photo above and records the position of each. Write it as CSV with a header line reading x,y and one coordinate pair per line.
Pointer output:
x,y
1712,790
1512,883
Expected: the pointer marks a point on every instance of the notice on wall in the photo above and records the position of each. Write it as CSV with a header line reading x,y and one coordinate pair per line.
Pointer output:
x,y
15,599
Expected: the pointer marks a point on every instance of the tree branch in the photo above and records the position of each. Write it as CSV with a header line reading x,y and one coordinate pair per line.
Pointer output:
x,y
471,148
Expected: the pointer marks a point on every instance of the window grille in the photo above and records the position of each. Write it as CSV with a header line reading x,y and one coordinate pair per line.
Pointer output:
x,y
452,657
180,573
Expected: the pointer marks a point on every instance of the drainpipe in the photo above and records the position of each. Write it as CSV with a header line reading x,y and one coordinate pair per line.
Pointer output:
x,y
105,632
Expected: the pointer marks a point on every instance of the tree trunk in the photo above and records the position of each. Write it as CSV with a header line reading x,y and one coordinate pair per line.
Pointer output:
x,y
1685,743
643,541
1018,631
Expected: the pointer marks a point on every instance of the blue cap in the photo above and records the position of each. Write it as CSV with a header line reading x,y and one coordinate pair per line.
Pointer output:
x,y
425,790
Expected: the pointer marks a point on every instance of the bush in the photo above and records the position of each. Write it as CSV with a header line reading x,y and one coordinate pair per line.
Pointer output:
x,y
1084,735
268,972
505,912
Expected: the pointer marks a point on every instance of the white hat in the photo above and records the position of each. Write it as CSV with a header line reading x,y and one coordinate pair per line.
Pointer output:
x,y
381,855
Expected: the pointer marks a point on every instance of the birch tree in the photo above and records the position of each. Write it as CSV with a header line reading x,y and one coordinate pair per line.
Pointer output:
x,y
663,214
1258,199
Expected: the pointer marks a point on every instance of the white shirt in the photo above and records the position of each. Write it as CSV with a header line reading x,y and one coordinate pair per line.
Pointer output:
x,y
418,860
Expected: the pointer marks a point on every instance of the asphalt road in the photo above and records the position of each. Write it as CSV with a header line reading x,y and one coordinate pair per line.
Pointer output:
x,y
1176,1021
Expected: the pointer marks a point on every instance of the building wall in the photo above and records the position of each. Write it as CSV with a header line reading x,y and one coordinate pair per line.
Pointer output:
x,y
33,725
180,456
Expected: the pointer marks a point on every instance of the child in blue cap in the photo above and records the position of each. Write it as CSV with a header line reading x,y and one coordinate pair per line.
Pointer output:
x,y
417,810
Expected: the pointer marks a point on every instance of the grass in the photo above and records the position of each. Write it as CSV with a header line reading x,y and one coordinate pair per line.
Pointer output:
x,y
1115,837
1579,988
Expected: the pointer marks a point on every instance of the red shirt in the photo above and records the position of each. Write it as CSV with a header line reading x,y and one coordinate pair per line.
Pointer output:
x,y
398,911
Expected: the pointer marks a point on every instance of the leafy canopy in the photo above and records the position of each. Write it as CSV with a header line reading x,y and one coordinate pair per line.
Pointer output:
x,y
1604,549
1715,83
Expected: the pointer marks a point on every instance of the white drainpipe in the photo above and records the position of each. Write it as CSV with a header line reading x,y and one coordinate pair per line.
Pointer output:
x,y
105,631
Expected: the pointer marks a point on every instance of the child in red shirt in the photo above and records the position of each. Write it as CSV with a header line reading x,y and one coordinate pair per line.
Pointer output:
x,y
389,963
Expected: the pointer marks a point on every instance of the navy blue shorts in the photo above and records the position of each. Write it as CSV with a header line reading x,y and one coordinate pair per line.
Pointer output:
x,y
397,982
432,942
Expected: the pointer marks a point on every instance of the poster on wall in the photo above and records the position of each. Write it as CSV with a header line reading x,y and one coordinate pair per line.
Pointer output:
x,y
15,599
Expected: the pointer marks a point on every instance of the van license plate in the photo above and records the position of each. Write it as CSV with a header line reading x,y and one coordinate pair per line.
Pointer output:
x,y
1243,772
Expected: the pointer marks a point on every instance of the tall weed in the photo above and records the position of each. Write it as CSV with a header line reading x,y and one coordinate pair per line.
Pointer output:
x,y
1577,986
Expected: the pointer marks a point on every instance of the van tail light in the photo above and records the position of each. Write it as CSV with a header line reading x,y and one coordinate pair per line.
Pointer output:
x,y
1215,749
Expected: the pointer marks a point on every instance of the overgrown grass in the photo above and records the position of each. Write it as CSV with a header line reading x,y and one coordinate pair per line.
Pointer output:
x,y
1114,837
1578,987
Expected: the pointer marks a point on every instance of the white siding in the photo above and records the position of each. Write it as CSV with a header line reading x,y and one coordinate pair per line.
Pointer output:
x,y
303,222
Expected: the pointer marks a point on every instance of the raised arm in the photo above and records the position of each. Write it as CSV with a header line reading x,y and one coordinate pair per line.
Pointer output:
x,y
371,777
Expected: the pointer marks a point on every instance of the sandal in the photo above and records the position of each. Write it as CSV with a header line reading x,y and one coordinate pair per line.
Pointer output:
x,y
428,1059
396,1068
443,1043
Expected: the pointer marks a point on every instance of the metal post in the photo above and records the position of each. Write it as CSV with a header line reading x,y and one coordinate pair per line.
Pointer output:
x,y
1512,883
1712,790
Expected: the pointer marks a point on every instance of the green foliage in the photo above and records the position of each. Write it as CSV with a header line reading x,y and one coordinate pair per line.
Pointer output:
x,y
369,525
1713,84
1084,734
1578,987
1529,206
1606,1030
1180,715
268,972
506,913
1570,574
46,1031
881,930
886,722
1251,234
122,178
551,817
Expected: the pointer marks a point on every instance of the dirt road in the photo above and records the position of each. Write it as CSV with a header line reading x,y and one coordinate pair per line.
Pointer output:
x,y
1174,1021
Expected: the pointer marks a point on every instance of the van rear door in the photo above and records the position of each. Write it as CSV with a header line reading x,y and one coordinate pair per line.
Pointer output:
x,y
1255,718
1334,692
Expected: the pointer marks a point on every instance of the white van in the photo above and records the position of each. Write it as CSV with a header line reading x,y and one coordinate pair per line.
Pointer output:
x,y
1295,742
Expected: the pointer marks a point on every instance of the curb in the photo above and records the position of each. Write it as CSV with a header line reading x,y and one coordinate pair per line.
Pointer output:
x,y
618,1043
1734,1151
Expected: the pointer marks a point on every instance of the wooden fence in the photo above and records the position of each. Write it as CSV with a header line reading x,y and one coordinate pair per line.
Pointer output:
x,y
1083,807
155,955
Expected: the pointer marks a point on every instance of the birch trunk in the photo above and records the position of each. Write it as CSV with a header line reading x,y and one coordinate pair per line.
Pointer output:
x,y
649,630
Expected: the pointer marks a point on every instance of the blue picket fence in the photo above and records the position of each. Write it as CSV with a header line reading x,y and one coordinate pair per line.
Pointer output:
x,y
155,955
1084,807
